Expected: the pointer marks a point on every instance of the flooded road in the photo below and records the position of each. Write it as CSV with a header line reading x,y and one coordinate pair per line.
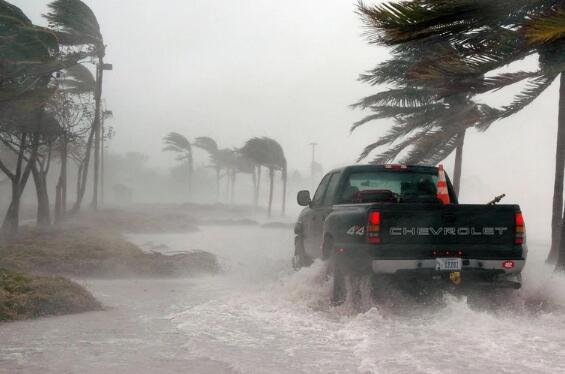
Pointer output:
x,y
260,317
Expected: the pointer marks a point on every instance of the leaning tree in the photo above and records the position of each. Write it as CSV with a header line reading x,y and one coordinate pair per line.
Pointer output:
x,y
268,153
30,55
491,35
179,144
77,26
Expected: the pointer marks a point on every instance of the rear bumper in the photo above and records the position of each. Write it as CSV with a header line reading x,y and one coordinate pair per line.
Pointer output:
x,y
475,272
382,266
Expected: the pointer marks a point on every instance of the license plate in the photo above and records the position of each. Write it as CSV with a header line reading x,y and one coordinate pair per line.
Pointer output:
x,y
448,264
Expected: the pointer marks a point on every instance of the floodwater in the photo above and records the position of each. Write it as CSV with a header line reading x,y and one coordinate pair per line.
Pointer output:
x,y
261,317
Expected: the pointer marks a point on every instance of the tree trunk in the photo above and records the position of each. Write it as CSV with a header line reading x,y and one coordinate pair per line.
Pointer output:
x,y
97,114
271,187
258,189
58,215
557,222
233,177
458,162
43,214
12,217
82,177
254,178
11,221
190,174
284,178
228,181
79,177
218,171
61,189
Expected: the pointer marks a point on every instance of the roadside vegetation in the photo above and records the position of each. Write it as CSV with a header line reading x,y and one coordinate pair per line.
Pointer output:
x,y
94,253
52,120
443,55
24,297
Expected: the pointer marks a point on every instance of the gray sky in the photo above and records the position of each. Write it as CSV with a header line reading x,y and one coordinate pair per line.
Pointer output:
x,y
236,69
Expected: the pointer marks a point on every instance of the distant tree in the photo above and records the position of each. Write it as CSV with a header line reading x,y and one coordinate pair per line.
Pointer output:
x,y
238,163
209,145
267,152
179,144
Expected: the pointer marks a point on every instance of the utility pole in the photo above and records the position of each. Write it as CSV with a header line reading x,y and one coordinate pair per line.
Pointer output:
x,y
105,115
312,165
100,68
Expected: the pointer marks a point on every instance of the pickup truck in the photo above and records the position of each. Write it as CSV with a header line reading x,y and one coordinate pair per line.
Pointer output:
x,y
390,221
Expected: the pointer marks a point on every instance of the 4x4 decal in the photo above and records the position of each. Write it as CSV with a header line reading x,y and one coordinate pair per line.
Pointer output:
x,y
356,230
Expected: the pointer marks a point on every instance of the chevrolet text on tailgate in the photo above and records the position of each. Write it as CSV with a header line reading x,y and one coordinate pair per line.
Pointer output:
x,y
404,224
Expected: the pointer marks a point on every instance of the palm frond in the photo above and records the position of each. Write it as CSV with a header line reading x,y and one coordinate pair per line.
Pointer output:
x,y
206,143
78,80
177,143
434,146
547,27
534,88
392,152
405,97
77,21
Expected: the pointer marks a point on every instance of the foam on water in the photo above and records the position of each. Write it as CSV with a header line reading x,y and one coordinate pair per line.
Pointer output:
x,y
263,317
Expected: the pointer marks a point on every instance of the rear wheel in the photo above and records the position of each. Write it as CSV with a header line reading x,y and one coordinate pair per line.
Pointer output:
x,y
339,290
300,258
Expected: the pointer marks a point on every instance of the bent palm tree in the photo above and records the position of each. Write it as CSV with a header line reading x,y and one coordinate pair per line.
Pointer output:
x,y
267,152
30,54
77,81
177,143
77,25
209,145
490,35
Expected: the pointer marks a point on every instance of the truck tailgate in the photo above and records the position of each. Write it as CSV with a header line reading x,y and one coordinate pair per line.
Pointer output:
x,y
448,224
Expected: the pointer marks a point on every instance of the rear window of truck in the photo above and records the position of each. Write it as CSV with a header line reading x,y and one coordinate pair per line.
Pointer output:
x,y
390,186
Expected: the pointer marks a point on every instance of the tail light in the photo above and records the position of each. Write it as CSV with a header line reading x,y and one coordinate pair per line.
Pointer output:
x,y
508,264
520,229
374,227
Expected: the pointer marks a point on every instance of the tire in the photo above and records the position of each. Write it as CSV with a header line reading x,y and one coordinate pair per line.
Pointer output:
x,y
300,259
339,288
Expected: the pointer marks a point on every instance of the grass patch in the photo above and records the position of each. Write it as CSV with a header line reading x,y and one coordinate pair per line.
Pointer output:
x,y
25,297
84,252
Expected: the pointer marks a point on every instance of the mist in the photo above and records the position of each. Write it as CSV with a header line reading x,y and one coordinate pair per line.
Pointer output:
x,y
185,267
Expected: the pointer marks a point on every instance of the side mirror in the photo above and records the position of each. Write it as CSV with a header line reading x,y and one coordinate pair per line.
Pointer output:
x,y
303,198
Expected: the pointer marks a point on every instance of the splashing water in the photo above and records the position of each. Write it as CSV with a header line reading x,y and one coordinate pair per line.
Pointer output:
x,y
259,316
281,322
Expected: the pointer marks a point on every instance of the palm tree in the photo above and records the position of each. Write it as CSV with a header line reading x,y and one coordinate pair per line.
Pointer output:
x,y
239,163
175,142
51,130
30,54
429,130
77,25
209,145
490,35
267,152
255,150
77,81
